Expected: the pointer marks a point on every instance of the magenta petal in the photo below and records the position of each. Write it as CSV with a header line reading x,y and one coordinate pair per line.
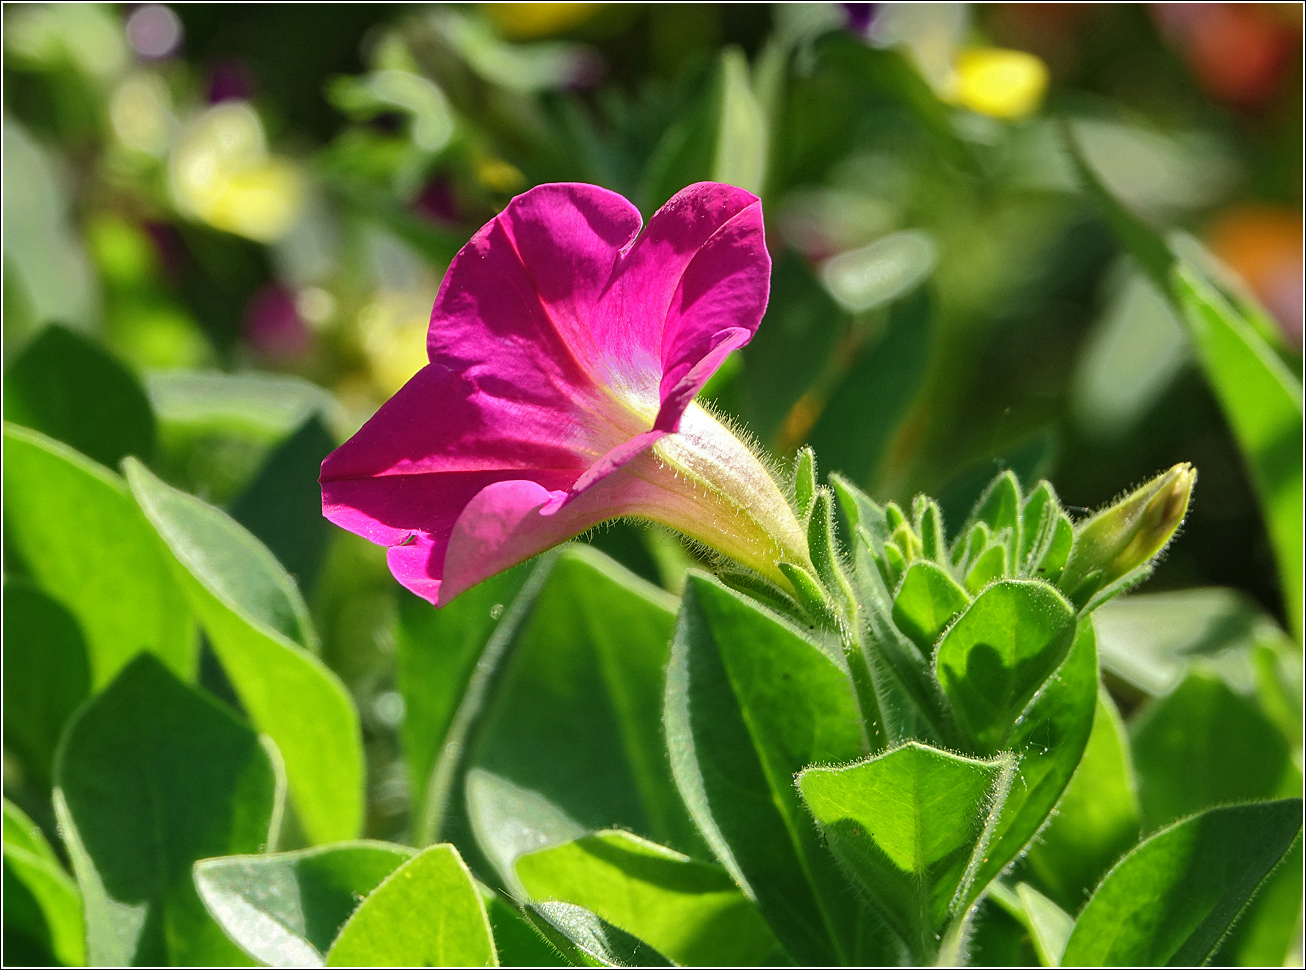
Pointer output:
x,y
515,311
502,526
417,566
699,271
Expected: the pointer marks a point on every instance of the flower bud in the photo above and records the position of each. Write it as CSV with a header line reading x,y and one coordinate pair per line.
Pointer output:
x,y
1129,534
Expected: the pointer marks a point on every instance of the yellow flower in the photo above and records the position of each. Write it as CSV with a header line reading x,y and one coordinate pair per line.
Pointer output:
x,y
1000,83
523,21
222,174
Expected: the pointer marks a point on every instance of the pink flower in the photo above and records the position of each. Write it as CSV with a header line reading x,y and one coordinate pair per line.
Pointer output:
x,y
565,357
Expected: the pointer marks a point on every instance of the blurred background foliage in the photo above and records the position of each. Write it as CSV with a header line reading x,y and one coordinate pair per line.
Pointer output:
x,y
250,208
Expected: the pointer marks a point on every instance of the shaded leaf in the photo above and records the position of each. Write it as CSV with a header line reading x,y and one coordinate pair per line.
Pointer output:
x,y
259,628
152,762
1172,899
749,703
281,506
1049,738
1097,819
999,652
1206,745
573,719
67,386
438,653
908,824
86,543
47,674
286,909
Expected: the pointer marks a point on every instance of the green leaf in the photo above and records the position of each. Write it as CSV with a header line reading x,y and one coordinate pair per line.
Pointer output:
x,y
1047,923
152,762
282,505
259,628
1049,738
427,913
1000,508
690,911
908,824
1207,745
42,907
72,389
574,716
910,703
286,909
1097,819
264,406
47,674
21,832
438,654
1172,899
86,543
988,566
742,133
999,652
749,703
927,601
1151,639
42,912
863,413
516,938
1266,935
1261,398
589,941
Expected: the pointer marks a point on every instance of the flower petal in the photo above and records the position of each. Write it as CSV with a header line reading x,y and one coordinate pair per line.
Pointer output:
x,y
414,466
516,306
699,271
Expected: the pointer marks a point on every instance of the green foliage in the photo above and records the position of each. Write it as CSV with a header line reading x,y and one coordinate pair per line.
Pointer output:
x,y
75,527
285,909
70,388
1206,745
1260,396
43,921
690,911
941,742
1097,819
1172,899
428,913
259,627
564,723
910,825
153,762
750,702
999,653
46,675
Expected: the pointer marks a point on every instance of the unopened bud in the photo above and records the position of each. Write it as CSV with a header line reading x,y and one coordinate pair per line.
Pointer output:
x,y
1129,534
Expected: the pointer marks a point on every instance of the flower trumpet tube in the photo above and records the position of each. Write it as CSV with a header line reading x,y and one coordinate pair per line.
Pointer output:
x,y
566,348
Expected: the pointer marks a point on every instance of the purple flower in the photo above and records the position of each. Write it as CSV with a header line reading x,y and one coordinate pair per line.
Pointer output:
x,y
565,354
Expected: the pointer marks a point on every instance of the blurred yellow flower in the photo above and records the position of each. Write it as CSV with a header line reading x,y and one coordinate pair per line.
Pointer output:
x,y
392,329
1000,83
222,174
499,176
141,112
522,21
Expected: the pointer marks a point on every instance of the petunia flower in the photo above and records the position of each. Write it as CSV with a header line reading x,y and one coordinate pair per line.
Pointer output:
x,y
566,349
